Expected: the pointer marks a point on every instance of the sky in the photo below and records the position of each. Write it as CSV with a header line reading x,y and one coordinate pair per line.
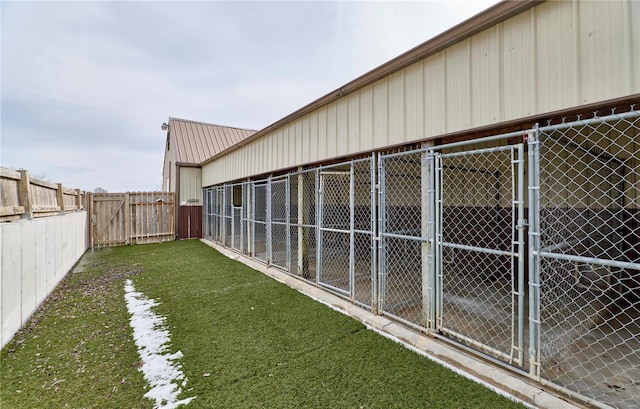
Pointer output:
x,y
85,86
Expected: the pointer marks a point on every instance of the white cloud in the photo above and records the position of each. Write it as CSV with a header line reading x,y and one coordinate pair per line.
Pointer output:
x,y
86,85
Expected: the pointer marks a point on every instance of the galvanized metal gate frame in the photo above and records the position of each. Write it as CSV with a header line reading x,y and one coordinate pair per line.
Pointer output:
x,y
257,222
432,245
278,220
426,240
517,253
326,178
323,177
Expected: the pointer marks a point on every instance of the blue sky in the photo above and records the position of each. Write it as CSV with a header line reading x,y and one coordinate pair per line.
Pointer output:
x,y
85,86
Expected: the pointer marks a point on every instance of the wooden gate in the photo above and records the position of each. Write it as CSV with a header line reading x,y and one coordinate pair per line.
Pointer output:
x,y
119,219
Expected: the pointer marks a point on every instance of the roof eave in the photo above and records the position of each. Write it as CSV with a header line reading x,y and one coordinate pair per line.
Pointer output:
x,y
487,18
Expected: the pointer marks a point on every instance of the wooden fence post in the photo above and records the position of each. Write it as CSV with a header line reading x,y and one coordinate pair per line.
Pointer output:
x,y
60,197
88,199
78,200
127,218
24,194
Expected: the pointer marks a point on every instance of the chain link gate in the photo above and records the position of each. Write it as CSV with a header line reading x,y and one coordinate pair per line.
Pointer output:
x,y
302,224
406,224
245,224
218,229
346,217
279,222
258,221
207,213
470,286
236,208
480,250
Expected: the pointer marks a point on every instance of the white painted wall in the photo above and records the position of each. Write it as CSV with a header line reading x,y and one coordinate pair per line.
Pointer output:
x,y
36,255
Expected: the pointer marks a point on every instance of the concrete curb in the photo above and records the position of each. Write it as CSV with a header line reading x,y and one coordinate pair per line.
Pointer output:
x,y
491,376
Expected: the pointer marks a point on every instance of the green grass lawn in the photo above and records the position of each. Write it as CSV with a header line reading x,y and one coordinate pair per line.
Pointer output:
x,y
248,342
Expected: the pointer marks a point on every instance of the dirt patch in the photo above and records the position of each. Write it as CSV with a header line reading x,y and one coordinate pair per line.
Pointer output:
x,y
89,279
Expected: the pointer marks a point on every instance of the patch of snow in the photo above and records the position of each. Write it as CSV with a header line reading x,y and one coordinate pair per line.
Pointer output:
x,y
161,370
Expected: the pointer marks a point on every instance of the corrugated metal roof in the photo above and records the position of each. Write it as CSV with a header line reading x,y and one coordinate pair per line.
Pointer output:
x,y
194,142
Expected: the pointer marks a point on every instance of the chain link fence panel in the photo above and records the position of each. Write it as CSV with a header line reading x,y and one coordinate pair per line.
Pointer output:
x,y
302,236
259,221
478,277
402,191
589,214
279,223
364,227
334,229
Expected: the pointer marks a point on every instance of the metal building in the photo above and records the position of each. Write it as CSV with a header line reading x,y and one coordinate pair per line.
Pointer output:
x,y
188,144
483,188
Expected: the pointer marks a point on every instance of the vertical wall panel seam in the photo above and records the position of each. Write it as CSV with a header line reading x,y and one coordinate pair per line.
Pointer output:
x,y
421,98
445,63
533,60
575,22
627,46
388,112
405,103
347,122
469,98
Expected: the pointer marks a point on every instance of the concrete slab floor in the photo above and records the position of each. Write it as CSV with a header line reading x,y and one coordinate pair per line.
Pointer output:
x,y
492,376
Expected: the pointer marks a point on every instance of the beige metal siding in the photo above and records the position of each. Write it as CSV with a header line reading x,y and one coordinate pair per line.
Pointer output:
x,y
434,94
168,170
518,62
413,100
190,187
366,115
458,86
555,56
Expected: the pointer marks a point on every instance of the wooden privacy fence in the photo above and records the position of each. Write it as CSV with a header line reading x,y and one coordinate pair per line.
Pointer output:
x,y
22,197
119,219
115,219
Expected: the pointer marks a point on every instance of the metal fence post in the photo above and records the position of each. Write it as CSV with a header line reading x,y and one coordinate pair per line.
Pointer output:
x,y
252,244
381,230
225,200
520,226
438,240
427,232
318,226
374,235
534,251
268,220
287,189
352,253
243,216
301,248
